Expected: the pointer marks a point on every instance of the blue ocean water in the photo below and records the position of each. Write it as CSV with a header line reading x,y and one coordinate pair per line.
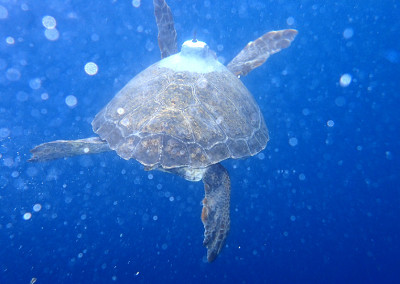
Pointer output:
x,y
321,204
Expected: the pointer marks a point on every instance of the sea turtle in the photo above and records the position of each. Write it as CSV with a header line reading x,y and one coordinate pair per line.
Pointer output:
x,y
184,115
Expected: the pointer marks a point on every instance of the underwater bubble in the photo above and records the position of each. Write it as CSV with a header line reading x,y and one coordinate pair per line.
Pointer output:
x,y
91,68
13,74
149,45
37,207
31,171
71,101
348,33
22,96
49,22
52,34
10,40
35,83
290,21
27,216
136,3
340,101
293,218
305,111
302,176
345,80
330,123
44,96
261,156
3,13
4,132
293,141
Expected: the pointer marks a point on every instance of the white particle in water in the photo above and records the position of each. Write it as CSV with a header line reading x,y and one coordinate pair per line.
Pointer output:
x,y
4,132
305,111
71,101
27,216
44,96
150,176
49,22
345,80
293,141
330,123
3,13
22,96
348,33
91,68
290,21
149,45
340,101
13,74
136,3
35,83
37,207
10,40
52,34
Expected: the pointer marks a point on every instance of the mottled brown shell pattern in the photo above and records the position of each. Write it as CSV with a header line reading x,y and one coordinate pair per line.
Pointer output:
x,y
169,119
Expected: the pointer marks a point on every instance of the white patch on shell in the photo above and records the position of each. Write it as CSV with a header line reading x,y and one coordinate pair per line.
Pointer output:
x,y
86,150
202,83
125,122
120,111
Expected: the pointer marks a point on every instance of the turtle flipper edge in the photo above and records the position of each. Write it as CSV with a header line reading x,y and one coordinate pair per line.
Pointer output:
x,y
257,52
68,148
166,30
215,213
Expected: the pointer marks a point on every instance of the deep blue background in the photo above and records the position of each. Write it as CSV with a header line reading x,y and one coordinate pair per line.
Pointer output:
x,y
323,211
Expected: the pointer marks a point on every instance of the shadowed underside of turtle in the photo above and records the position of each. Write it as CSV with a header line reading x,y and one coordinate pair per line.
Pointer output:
x,y
184,115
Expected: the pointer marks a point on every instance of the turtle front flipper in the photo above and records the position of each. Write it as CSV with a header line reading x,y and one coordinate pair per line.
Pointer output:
x,y
166,30
215,213
68,148
257,52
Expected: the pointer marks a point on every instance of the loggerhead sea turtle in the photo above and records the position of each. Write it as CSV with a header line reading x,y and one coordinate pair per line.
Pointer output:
x,y
184,115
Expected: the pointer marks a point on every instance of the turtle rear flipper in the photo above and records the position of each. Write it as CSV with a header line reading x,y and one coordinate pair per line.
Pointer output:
x,y
257,52
215,213
68,148
166,30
